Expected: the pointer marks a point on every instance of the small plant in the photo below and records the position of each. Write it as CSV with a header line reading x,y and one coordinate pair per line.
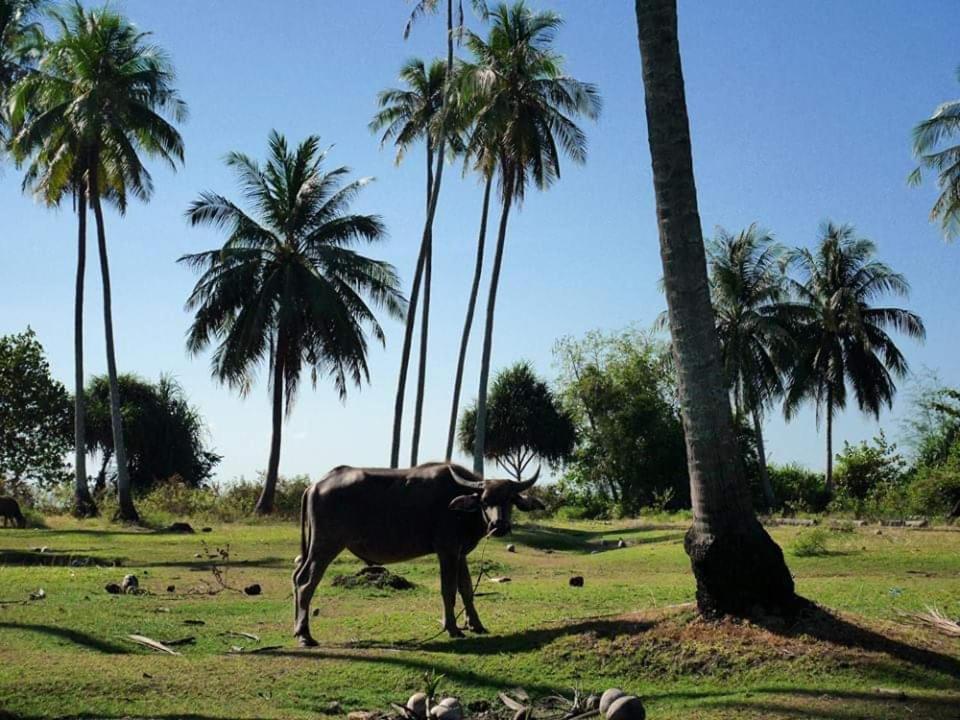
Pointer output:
x,y
811,543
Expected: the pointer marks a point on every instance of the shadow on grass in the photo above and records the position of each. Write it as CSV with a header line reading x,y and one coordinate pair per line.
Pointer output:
x,y
830,704
541,537
56,558
204,564
819,623
75,636
126,716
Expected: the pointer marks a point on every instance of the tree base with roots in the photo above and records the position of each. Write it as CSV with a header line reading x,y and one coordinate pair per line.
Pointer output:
x,y
740,572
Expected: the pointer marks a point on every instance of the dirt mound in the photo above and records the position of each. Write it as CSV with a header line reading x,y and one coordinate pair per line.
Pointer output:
x,y
681,644
373,576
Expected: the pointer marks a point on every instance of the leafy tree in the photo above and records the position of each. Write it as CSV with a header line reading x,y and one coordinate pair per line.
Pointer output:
x,y
524,422
932,425
841,337
164,435
944,160
869,467
21,36
103,97
736,564
747,290
408,115
34,416
287,289
528,105
620,390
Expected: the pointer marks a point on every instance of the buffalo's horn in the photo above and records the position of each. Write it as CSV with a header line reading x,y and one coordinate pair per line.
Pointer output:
x,y
471,484
527,484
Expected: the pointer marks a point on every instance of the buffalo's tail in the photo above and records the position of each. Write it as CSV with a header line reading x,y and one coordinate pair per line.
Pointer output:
x,y
303,526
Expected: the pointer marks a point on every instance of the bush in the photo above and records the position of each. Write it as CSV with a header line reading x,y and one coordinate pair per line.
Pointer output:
x,y
934,491
811,543
798,489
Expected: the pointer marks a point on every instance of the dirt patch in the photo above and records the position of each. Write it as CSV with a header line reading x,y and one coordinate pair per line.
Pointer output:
x,y
681,644
374,577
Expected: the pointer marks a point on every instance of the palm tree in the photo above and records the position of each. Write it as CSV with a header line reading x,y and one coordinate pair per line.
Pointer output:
x,y
425,256
735,562
527,104
483,155
98,102
945,161
288,289
840,336
407,116
747,290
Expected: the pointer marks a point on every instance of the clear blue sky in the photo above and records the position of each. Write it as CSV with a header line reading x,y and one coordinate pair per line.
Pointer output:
x,y
800,112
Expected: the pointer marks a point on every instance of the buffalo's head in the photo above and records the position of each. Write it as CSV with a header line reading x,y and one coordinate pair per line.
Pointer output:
x,y
495,499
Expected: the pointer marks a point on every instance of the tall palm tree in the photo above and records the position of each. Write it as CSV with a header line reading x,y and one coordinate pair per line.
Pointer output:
x,y
528,105
841,337
735,562
103,96
406,116
482,154
287,289
945,161
747,290
424,258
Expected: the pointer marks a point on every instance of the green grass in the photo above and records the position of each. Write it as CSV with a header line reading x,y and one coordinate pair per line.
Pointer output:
x,y
67,656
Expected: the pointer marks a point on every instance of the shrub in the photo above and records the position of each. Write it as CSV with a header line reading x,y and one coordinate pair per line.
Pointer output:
x,y
798,489
811,543
934,491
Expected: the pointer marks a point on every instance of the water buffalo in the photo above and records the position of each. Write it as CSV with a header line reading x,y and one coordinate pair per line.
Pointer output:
x,y
385,516
10,510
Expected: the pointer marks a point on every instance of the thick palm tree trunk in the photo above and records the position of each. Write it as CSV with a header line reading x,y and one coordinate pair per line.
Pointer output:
x,y
768,495
481,432
736,564
126,510
84,506
264,504
425,245
468,322
424,320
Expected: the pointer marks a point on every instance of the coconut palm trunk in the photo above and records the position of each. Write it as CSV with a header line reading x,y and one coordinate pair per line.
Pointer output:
x,y
468,321
829,475
480,442
126,510
265,502
425,319
84,505
736,564
425,248
768,494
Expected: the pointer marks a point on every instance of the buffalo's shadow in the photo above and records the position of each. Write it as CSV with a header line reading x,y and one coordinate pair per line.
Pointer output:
x,y
75,636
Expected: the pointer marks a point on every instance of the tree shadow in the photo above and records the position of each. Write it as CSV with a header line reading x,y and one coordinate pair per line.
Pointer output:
x,y
57,558
542,537
820,624
825,704
204,564
75,636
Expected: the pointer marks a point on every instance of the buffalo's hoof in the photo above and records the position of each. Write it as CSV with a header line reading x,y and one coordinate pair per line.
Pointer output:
x,y
306,641
477,628
455,632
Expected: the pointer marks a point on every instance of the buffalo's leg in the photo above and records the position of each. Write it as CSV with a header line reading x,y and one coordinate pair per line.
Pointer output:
x,y
466,594
449,569
305,579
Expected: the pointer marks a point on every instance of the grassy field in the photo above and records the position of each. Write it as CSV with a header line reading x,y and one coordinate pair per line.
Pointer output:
x,y
631,625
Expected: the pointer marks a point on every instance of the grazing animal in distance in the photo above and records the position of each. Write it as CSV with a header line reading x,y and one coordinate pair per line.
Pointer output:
x,y
392,515
10,510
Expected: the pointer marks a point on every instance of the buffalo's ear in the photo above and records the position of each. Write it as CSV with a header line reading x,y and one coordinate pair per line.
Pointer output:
x,y
465,503
528,503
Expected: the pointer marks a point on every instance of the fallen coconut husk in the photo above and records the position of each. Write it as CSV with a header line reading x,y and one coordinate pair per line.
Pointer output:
x,y
249,636
933,618
373,576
